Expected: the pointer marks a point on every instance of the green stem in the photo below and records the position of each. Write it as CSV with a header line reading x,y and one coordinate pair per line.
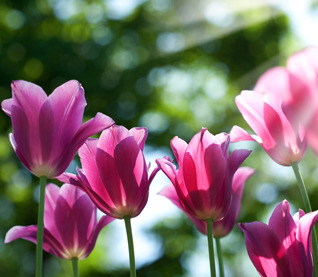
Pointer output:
x,y
209,223
220,256
39,251
308,209
130,246
75,267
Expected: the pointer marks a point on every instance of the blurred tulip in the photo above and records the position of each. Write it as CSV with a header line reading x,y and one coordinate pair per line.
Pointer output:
x,y
283,109
114,174
47,130
283,247
304,102
203,181
224,226
70,223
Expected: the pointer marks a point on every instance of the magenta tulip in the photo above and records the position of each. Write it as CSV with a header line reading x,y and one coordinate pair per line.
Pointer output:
x,y
115,174
203,181
70,223
224,226
47,130
283,247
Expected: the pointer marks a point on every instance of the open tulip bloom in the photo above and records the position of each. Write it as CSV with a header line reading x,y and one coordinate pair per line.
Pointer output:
x,y
71,227
47,132
203,181
115,174
283,247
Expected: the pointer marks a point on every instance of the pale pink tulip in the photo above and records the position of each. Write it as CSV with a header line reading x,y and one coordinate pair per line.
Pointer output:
x,y
70,223
115,174
283,247
203,181
277,131
48,130
224,226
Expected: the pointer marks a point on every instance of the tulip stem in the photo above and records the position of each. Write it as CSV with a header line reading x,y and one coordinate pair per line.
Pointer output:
x,y
209,223
130,246
75,267
39,251
220,256
308,209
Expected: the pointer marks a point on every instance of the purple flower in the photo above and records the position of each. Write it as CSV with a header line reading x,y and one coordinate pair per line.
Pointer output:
x,y
283,247
115,174
70,223
203,181
48,130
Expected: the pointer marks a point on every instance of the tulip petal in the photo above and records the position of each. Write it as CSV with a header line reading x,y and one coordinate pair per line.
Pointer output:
x,y
251,106
222,227
105,220
303,235
140,135
168,168
132,171
283,224
46,131
275,81
236,158
18,152
52,193
265,250
25,232
6,106
238,134
68,103
178,147
87,153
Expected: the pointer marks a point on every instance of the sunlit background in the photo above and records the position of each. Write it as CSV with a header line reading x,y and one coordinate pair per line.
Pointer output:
x,y
173,67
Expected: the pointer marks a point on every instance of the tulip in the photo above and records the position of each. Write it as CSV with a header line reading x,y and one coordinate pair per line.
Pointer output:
x,y
71,227
203,182
283,247
115,175
281,136
47,130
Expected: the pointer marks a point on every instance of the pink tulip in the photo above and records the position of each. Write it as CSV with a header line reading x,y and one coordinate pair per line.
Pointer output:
x,y
70,223
47,130
115,174
277,132
203,181
224,226
283,247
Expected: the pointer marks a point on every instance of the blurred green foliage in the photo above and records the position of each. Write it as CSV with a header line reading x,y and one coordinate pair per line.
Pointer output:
x,y
172,66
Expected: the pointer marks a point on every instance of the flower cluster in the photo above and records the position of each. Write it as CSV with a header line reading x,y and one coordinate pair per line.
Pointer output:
x,y
207,181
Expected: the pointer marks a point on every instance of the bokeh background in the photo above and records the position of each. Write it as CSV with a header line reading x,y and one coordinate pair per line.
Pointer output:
x,y
173,67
